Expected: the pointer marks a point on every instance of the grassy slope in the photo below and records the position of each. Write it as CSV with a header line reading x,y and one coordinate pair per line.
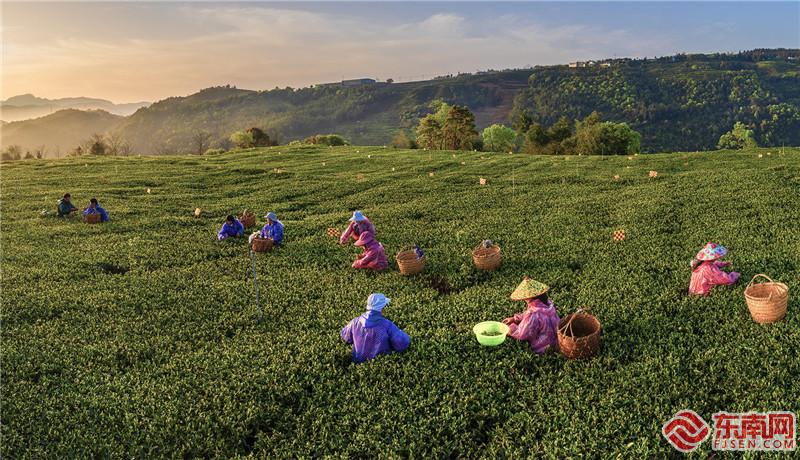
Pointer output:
x,y
165,359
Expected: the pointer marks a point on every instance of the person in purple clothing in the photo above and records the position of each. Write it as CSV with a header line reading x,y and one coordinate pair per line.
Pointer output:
x,y
371,334
231,227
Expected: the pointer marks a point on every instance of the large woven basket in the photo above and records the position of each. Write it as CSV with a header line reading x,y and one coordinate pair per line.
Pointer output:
x,y
93,218
487,258
247,219
262,245
409,263
767,301
579,335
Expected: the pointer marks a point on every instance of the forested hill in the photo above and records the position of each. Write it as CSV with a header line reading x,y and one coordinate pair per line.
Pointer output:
x,y
682,102
676,103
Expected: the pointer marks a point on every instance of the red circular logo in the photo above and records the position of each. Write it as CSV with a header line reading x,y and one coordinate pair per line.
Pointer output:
x,y
686,430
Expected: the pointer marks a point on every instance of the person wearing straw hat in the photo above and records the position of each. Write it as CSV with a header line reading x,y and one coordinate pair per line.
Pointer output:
x,y
371,334
272,230
374,256
707,270
538,325
359,224
95,208
230,228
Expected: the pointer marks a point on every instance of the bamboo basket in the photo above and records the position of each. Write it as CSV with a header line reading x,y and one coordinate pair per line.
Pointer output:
x,y
487,258
409,263
262,245
579,335
768,301
93,218
248,219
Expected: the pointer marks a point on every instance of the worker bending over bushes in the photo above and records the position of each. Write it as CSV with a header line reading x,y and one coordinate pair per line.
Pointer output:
x,y
371,334
231,227
374,256
538,325
359,224
707,270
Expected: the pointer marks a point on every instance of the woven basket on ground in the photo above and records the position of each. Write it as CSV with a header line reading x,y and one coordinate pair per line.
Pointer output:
x,y
93,218
247,219
487,258
262,245
767,301
409,263
579,335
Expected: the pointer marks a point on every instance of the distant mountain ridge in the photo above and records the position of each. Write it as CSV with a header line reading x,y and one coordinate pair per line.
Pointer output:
x,y
27,106
59,132
677,103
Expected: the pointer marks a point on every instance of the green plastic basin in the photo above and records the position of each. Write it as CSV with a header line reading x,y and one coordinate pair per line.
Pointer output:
x,y
490,333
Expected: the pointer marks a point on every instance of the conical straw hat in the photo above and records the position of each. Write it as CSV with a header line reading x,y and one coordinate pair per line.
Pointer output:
x,y
529,288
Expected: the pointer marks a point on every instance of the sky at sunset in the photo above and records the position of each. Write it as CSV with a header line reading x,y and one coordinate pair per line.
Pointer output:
x,y
129,52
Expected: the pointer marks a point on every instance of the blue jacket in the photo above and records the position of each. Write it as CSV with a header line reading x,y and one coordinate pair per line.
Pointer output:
x,y
228,230
273,232
97,209
371,334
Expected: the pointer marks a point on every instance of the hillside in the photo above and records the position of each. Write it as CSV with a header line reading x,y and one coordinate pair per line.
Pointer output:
x,y
369,114
138,339
682,102
679,102
59,132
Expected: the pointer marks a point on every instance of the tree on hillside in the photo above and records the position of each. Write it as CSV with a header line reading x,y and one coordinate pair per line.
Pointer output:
x,y
201,141
402,141
605,138
535,139
429,133
499,138
522,121
738,138
242,139
12,153
458,131
781,125
96,145
260,138
562,129
117,145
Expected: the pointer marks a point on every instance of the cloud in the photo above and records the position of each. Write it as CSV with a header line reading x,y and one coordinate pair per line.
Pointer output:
x,y
259,47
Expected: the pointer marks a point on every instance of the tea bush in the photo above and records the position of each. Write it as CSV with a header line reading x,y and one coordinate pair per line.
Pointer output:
x,y
137,338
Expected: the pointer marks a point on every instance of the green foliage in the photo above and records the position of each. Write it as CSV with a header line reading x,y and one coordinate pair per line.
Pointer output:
x,y
243,139
214,151
590,136
448,127
676,102
402,141
738,138
499,138
326,139
137,338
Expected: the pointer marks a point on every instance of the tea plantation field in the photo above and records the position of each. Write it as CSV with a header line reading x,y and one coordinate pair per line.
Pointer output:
x,y
138,339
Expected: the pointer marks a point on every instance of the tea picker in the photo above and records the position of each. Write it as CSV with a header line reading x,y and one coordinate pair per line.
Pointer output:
x,y
538,325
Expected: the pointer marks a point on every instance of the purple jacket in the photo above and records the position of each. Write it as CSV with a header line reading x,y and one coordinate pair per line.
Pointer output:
x,y
228,230
355,229
371,334
538,325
